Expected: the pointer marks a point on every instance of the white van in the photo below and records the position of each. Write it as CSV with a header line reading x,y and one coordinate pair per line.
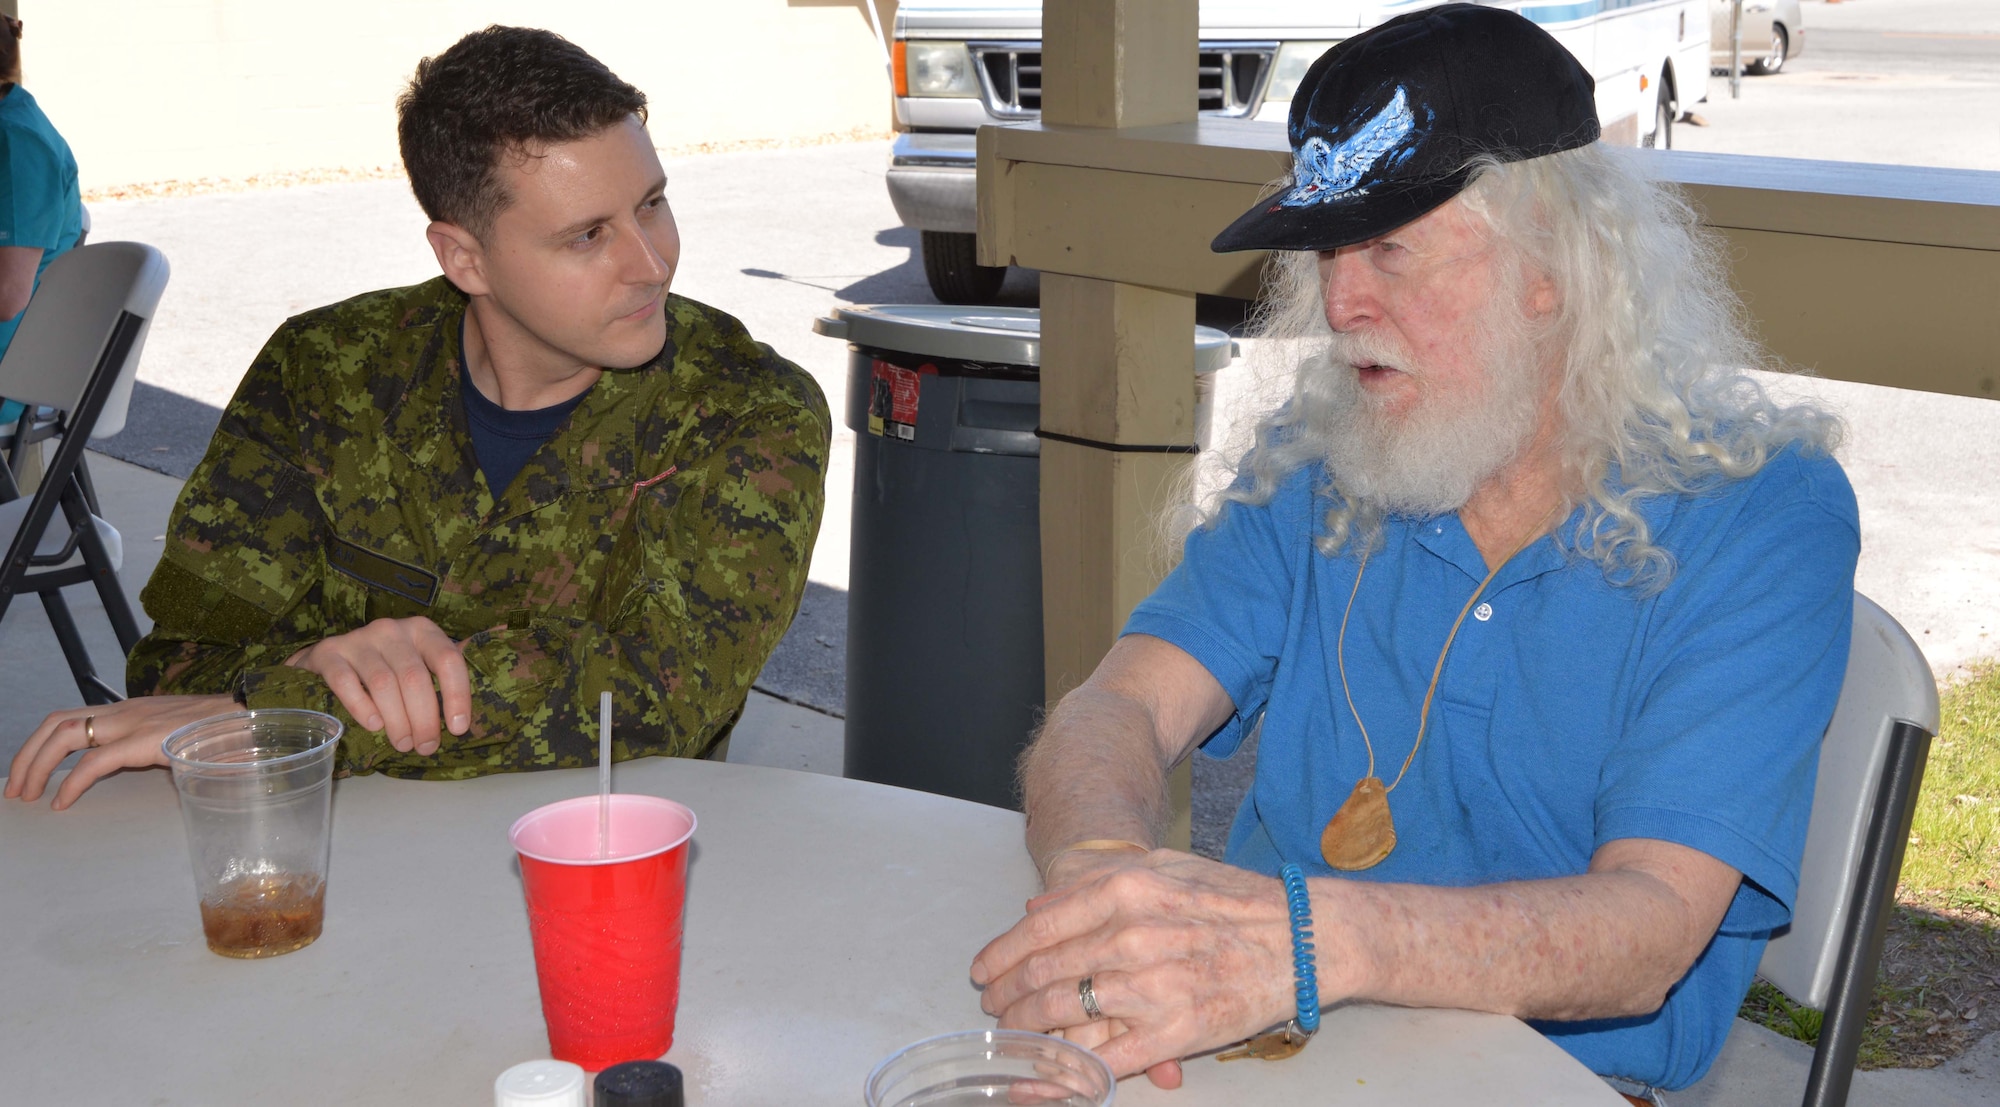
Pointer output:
x,y
962,64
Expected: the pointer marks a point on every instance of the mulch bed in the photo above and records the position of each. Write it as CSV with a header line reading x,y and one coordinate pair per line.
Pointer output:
x,y
1938,989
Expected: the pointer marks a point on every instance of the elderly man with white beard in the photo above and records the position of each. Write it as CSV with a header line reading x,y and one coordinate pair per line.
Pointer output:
x,y
1537,602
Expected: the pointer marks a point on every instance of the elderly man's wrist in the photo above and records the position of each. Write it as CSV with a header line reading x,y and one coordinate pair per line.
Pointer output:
x,y
1344,967
1088,852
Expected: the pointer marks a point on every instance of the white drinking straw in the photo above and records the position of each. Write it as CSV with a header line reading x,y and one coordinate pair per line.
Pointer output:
x,y
604,775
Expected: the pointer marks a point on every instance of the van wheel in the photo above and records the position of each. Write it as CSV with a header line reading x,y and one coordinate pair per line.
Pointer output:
x,y
1775,60
1662,137
951,265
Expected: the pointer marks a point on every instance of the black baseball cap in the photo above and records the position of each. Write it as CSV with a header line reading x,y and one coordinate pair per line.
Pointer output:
x,y
1384,124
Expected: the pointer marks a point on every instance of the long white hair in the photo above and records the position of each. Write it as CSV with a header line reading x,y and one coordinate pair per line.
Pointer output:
x,y
1655,395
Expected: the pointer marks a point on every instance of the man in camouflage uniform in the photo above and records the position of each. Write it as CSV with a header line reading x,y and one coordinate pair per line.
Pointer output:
x,y
352,542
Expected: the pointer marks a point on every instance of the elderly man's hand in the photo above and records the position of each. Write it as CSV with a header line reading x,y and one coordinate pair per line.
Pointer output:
x,y
1184,955
383,674
114,736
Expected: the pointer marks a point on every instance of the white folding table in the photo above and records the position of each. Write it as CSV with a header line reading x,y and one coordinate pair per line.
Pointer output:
x,y
829,922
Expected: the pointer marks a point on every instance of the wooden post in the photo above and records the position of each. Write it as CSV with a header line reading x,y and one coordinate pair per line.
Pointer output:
x,y
1117,359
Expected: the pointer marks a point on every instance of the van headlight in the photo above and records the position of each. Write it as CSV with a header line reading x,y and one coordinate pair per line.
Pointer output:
x,y
940,69
1294,58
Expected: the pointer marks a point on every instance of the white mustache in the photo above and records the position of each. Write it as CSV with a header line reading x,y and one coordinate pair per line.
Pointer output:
x,y
1359,349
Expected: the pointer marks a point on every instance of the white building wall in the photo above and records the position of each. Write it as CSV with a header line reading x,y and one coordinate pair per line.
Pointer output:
x,y
149,90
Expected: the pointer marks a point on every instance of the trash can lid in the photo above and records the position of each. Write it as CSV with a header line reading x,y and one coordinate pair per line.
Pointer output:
x,y
995,335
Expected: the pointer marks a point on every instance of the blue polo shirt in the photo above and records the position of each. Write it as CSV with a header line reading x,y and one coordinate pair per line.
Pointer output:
x,y
40,205
1571,711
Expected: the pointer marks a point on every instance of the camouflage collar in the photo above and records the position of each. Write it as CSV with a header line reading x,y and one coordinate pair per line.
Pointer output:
x,y
598,447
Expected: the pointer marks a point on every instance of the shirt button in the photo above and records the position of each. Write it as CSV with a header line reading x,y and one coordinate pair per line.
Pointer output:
x,y
1483,612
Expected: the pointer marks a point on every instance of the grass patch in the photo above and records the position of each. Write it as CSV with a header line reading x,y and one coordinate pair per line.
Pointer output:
x,y
1955,837
1938,988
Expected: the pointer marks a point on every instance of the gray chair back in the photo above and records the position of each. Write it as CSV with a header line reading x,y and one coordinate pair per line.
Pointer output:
x,y
1870,768
69,321
77,350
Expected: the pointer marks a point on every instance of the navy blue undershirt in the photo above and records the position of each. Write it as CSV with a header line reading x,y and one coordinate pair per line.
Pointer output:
x,y
504,440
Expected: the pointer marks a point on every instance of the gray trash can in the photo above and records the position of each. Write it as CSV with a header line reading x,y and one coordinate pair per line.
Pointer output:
x,y
944,606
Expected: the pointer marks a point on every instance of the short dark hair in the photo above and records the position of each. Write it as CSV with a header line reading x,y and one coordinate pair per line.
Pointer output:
x,y
10,49
491,95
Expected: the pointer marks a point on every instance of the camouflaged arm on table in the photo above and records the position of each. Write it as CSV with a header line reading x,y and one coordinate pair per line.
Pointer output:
x,y
708,566
237,582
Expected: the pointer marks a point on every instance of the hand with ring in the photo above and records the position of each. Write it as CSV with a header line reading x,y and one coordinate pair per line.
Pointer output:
x,y
122,735
1148,963
1088,995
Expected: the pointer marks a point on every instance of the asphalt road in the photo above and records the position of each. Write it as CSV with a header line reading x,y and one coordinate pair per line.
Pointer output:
x,y
780,237
1903,82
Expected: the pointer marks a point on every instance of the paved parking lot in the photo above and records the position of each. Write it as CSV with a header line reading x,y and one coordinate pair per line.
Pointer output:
x,y
1906,82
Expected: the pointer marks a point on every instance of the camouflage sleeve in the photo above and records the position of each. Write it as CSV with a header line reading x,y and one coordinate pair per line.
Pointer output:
x,y
236,585
708,566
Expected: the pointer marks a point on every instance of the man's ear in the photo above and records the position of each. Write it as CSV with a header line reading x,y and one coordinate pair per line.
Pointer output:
x,y
1543,299
461,256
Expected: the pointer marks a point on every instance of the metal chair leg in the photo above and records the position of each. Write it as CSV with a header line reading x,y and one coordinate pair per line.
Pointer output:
x,y
109,590
119,610
94,690
1832,1069
89,488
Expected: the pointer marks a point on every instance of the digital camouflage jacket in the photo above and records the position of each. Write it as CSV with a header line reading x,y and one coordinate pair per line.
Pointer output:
x,y
656,547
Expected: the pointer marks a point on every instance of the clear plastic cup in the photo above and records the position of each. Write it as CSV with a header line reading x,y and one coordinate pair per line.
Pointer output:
x,y
984,1067
256,790
606,929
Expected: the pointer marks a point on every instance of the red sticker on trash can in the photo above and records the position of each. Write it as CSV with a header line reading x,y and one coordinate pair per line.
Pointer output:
x,y
892,400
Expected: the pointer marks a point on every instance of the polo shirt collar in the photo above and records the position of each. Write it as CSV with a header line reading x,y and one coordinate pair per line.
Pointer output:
x,y
1445,537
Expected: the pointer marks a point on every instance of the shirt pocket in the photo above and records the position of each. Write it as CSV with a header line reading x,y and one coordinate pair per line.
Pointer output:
x,y
1524,785
364,585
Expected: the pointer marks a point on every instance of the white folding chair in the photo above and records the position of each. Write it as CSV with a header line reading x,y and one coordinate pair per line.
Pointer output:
x,y
77,351
1871,765
36,425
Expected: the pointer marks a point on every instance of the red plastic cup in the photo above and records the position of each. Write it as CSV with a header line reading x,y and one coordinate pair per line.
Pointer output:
x,y
607,930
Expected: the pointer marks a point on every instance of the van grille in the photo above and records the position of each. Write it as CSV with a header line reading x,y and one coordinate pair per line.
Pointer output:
x,y
1229,77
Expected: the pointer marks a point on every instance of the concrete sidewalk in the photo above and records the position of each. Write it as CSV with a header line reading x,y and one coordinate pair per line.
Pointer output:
x,y
1761,1069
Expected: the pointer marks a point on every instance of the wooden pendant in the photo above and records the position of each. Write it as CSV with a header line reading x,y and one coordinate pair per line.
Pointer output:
x,y
1361,833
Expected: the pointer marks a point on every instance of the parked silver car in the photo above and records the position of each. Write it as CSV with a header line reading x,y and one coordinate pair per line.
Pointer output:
x,y
1773,31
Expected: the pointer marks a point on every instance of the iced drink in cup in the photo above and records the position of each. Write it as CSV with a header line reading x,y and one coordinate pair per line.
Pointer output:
x,y
256,790
607,929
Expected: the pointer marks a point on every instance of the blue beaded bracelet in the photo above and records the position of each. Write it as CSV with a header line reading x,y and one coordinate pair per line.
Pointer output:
x,y
1306,977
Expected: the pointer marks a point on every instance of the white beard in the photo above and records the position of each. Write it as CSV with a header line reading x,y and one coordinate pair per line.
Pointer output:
x,y
1431,459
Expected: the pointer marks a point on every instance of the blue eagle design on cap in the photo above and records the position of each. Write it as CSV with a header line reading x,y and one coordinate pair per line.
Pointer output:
x,y
1323,172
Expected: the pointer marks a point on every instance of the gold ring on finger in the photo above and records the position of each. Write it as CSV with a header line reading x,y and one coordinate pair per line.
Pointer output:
x,y
1089,998
90,732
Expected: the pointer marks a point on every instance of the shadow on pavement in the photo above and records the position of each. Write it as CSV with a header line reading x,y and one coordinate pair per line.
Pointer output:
x,y
904,282
164,431
809,667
